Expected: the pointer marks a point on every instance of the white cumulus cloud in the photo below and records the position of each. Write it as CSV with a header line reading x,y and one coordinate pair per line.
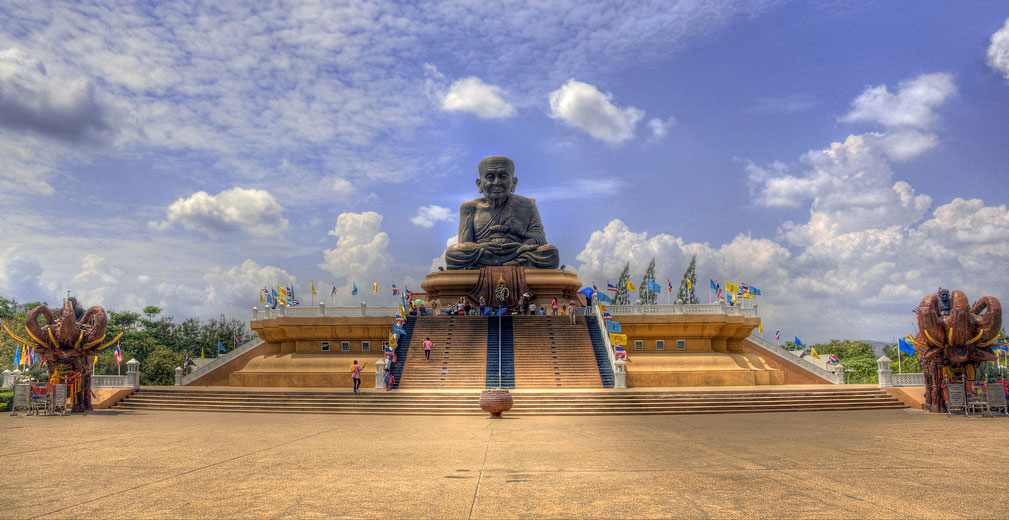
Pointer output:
x,y
472,95
428,215
238,285
252,211
998,51
913,105
361,253
584,107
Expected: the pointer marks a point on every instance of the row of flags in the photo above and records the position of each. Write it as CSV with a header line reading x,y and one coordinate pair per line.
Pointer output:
x,y
284,295
733,291
23,356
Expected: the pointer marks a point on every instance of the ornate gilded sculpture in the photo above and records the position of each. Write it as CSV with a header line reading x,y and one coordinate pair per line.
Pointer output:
x,y
501,228
68,344
961,338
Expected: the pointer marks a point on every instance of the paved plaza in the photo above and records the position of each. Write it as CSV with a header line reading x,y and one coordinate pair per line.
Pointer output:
x,y
862,464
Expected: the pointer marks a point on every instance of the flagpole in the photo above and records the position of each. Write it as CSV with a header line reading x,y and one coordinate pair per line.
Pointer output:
x,y
898,358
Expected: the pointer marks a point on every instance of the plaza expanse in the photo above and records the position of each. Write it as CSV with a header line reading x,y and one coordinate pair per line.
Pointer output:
x,y
866,464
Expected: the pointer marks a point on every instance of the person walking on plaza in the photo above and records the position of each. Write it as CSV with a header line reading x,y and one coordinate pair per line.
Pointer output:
x,y
554,306
572,309
427,350
355,374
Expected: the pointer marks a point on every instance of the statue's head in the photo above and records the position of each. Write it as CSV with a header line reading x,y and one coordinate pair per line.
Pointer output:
x,y
496,179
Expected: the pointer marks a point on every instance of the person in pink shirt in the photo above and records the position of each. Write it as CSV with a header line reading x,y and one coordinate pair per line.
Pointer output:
x,y
355,374
427,349
553,305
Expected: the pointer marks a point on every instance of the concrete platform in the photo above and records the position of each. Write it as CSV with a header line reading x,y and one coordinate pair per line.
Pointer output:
x,y
866,464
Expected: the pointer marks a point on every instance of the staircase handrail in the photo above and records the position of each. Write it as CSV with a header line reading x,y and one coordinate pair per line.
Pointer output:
x,y
606,336
221,360
796,360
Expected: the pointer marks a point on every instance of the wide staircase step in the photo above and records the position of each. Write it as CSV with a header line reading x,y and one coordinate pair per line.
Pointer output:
x,y
603,402
458,354
552,352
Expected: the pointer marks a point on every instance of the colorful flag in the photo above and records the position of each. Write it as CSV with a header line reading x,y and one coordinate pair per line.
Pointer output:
x,y
611,287
201,353
618,339
396,329
777,335
654,287
603,297
904,347
797,342
754,291
220,347
333,293
690,285
630,286
620,352
185,364
407,294
832,359
813,352
17,356
744,288
290,292
594,289
234,333
295,302
354,292
374,287
313,288
670,284
613,326
731,288
261,299
118,354
713,284
761,329
395,291
587,291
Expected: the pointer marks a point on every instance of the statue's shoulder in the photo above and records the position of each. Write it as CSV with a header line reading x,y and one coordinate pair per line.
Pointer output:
x,y
522,202
469,206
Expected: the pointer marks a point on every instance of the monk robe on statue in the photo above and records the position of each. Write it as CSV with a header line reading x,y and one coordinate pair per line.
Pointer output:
x,y
501,228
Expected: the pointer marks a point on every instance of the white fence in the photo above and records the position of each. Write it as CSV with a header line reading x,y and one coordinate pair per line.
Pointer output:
x,y
321,311
216,362
912,379
130,380
787,355
683,308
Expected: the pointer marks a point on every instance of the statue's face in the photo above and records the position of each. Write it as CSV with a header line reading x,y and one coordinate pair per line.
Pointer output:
x,y
496,182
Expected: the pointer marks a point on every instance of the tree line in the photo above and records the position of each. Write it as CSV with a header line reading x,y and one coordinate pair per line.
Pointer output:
x,y
157,341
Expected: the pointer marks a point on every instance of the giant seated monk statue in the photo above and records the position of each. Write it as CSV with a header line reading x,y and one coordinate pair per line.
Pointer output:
x,y
500,228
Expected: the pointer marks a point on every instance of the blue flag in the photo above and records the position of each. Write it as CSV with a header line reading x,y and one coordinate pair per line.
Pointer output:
x,y
603,298
754,291
652,286
797,342
614,327
220,347
354,292
502,310
396,329
905,347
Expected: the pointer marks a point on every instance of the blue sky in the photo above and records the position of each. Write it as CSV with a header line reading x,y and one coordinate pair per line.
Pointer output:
x,y
845,159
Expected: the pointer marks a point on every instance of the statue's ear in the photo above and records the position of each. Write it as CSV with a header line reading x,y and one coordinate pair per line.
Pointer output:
x,y
515,182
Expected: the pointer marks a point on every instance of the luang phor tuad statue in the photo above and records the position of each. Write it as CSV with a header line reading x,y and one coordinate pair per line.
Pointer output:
x,y
500,228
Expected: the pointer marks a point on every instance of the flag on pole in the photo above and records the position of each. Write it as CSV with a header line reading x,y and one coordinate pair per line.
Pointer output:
x,y
620,352
407,294
904,347
613,326
630,286
754,291
654,287
397,329
201,353
611,287
777,335
118,354
234,333
732,288
603,297
17,356
313,288
594,289
761,329
670,284
832,359
185,365
812,351
261,299
374,287
220,347
744,288
797,342
690,285
333,293
618,339
395,291
354,292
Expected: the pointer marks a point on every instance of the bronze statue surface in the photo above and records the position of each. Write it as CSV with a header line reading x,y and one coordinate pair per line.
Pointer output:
x,y
501,228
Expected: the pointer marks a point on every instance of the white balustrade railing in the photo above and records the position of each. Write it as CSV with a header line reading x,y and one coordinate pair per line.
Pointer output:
x,y
606,341
322,311
103,381
682,308
912,379
219,361
787,355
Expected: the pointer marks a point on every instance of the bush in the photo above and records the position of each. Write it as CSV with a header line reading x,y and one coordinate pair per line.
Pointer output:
x,y
6,400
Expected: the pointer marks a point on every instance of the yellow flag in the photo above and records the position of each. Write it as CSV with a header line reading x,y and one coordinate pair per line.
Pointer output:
x,y
630,286
618,339
688,284
812,352
313,288
261,300
374,287
95,362
731,288
761,330
201,352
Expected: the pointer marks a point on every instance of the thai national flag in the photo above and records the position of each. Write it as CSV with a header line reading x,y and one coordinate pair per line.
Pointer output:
x,y
611,287
777,335
395,291
391,355
620,352
334,290
399,319
234,334
832,359
408,295
670,283
744,288
118,354
594,289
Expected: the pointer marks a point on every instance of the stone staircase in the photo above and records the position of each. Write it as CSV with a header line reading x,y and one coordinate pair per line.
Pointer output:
x,y
527,403
550,352
599,349
403,350
458,357
500,351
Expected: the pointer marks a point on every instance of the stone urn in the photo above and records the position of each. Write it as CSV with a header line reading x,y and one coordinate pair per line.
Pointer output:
x,y
495,401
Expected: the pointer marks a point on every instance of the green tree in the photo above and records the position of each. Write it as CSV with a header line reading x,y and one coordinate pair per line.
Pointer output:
x,y
909,363
151,311
688,283
858,358
622,297
648,296
159,368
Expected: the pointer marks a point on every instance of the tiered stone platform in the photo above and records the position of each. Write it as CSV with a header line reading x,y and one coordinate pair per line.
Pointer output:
x,y
527,402
458,356
550,352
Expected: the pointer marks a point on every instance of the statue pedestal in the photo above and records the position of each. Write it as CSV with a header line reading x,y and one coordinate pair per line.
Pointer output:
x,y
544,285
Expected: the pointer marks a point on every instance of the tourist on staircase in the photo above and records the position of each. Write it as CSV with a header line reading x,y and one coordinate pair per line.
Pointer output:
x,y
483,303
554,306
427,350
532,309
572,309
355,374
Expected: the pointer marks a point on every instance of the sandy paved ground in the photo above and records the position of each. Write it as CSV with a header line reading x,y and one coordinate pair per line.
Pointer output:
x,y
867,464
